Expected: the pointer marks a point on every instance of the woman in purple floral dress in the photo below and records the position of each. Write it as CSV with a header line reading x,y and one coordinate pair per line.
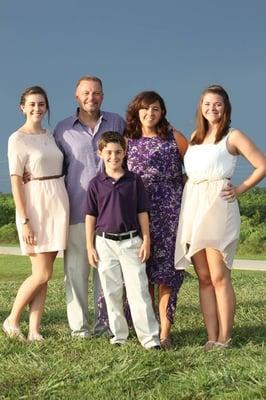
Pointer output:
x,y
155,152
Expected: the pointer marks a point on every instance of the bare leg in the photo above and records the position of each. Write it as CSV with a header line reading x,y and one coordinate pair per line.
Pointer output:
x,y
225,296
41,273
164,295
36,306
207,295
151,290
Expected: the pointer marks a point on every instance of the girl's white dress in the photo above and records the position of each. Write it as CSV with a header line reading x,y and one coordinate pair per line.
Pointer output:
x,y
206,220
46,200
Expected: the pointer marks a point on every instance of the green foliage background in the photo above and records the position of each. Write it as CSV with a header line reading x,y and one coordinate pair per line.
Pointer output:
x,y
253,222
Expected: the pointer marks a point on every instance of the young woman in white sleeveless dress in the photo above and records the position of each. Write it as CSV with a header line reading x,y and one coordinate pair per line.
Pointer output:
x,y
209,221
42,209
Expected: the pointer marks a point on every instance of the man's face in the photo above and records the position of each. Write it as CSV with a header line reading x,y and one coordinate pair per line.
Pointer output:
x,y
89,96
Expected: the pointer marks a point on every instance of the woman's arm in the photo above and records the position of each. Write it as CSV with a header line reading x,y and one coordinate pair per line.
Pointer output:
x,y
181,141
19,199
239,143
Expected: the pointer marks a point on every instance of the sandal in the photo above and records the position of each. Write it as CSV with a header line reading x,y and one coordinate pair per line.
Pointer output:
x,y
12,331
209,345
225,345
166,343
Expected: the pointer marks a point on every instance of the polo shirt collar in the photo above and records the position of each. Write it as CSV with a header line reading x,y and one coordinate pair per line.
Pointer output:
x,y
103,176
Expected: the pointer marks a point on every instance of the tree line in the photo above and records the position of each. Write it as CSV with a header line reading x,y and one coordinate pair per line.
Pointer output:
x,y
253,222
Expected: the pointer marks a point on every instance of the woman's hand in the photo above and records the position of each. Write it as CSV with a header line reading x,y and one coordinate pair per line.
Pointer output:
x,y
28,235
229,193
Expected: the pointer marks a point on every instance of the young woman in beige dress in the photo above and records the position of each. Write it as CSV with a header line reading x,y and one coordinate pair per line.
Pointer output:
x,y
42,208
209,222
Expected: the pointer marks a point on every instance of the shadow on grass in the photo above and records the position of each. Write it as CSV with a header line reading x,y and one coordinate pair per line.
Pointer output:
x,y
241,336
56,317
246,334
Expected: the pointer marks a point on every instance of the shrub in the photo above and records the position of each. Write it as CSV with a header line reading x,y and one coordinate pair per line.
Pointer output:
x,y
8,233
7,210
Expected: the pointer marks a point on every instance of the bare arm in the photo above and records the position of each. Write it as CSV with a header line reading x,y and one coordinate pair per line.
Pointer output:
x,y
19,199
144,252
90,233
239,143
181,141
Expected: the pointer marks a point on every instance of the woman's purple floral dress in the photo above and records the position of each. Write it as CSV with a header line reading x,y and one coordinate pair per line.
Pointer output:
x,y
159,164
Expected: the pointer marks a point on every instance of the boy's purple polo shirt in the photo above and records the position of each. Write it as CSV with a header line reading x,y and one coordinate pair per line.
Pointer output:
x,y
116,204
81,162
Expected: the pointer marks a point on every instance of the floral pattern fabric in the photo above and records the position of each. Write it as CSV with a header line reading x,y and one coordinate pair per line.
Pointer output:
x,y
159,164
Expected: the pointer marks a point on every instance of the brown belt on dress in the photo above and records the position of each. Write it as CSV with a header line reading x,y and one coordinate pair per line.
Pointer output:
x,y
44,178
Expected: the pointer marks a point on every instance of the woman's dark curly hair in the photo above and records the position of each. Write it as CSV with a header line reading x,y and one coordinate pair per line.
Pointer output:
x,y
133,125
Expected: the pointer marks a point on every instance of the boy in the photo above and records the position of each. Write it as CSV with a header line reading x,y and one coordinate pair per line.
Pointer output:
x,y
117,211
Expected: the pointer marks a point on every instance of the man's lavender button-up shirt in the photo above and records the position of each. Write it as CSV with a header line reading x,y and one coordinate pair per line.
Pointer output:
x,y
81,162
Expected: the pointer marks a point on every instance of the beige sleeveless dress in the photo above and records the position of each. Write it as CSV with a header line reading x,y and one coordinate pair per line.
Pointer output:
x,y
46,200
206,220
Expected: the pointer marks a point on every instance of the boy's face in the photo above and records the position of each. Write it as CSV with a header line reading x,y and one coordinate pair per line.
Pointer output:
x,y
112,156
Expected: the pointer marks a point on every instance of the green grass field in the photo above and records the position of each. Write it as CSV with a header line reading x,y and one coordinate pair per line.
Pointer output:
x,y
66,368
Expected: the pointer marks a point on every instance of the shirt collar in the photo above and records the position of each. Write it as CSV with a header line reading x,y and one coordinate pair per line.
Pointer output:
x,y
76,116
103,176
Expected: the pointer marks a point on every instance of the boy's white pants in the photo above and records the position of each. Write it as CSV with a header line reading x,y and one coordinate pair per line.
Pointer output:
x,y
119,262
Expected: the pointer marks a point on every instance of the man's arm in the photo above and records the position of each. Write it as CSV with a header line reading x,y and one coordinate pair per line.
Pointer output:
x,y
90,233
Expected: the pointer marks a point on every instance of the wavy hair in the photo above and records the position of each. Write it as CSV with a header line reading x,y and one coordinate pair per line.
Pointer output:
x,y
133,125
202,123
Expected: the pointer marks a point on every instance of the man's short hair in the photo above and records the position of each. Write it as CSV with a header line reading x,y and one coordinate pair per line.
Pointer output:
x,y
89,78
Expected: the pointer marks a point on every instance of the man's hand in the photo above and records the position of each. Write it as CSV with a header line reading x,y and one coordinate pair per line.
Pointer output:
x,y
26,177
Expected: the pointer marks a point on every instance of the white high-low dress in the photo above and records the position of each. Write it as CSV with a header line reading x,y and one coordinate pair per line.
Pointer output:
x,y
206,220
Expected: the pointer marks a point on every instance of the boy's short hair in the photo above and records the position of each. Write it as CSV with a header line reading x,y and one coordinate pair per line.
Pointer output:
x,y
111,137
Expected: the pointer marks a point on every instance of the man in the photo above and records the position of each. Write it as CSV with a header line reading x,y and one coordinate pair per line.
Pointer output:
x,y
77,137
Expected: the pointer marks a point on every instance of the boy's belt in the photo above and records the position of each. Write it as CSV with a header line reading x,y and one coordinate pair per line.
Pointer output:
x,y
118,236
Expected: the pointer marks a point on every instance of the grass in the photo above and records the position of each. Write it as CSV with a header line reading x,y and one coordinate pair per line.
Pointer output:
x,y
66,368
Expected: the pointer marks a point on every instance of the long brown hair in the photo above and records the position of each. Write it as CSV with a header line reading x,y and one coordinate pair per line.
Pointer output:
x,y
35,90
202,123
133,125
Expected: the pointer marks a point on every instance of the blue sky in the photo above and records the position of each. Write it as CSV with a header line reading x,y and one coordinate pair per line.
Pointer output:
x,y
174,47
